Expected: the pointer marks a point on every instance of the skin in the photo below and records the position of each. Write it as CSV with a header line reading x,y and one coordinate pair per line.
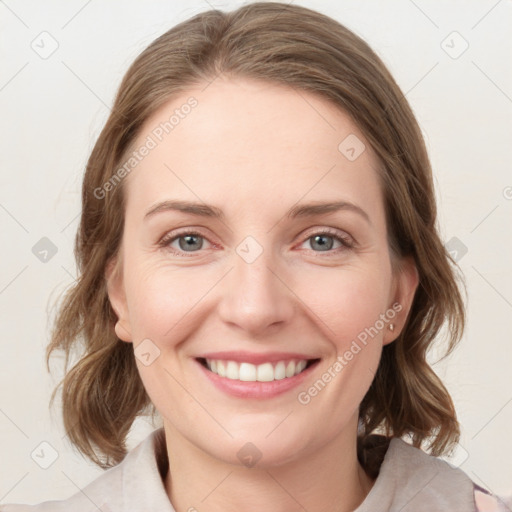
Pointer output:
x,y
256,149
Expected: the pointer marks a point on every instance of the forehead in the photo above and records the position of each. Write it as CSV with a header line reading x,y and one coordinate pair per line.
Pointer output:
x,y
246,143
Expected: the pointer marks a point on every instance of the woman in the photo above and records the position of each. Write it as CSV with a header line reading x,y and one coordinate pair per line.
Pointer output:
x,y
259,263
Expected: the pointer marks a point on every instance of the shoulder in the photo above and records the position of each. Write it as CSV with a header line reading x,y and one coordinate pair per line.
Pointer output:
x,y
421,482
117,486
90,498
451,479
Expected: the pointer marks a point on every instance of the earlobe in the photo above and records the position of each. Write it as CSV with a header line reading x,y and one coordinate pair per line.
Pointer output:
x,y
122,333
117,299
391,334
406,280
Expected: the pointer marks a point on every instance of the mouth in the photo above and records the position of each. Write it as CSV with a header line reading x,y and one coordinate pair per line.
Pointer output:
x,y
258,375
264,372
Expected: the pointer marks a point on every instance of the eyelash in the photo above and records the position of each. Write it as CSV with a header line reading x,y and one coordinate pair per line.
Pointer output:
x,y
346,241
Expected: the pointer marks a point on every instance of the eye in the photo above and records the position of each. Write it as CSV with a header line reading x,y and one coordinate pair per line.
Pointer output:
x,y
187,241
323,241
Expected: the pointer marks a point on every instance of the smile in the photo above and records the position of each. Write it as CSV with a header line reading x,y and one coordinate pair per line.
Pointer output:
x,y
265,372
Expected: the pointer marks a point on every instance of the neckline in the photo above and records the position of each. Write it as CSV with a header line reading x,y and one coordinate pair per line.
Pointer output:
x,y
407,477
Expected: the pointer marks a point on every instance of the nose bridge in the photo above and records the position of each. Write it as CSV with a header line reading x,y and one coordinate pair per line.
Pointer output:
x,y
256,297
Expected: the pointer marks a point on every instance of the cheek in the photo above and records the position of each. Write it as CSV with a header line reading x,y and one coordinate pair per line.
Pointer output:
x,y
161,300
348,304
163,306
347,300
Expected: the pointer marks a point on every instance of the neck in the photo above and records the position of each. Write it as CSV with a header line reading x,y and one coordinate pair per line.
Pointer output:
x,y
329,479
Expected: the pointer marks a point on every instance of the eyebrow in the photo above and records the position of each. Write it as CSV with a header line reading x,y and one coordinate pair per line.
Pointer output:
x,y
301,210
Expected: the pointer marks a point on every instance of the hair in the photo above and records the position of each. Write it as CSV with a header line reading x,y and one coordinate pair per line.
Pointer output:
x,y
308,51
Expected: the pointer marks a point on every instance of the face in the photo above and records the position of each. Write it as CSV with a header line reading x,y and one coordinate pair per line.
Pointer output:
x,y
256,316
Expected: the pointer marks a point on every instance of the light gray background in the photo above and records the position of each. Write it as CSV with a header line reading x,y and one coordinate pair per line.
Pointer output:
x,y
53,108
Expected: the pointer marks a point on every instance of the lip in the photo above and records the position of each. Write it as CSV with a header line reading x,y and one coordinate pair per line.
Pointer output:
x,y
257,390
241,356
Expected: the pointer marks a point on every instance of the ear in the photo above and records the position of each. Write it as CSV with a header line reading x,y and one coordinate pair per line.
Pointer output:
x,y
406,279
117,297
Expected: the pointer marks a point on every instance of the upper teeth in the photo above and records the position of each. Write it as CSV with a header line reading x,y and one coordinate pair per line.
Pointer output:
x,y
248,372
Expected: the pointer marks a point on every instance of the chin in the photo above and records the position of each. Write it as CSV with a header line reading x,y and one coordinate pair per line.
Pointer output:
x,y
262,450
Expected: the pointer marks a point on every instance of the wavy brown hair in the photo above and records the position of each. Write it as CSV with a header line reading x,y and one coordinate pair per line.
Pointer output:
x,y
307,51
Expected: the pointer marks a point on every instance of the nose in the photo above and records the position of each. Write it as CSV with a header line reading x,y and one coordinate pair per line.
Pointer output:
x,y
256,297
